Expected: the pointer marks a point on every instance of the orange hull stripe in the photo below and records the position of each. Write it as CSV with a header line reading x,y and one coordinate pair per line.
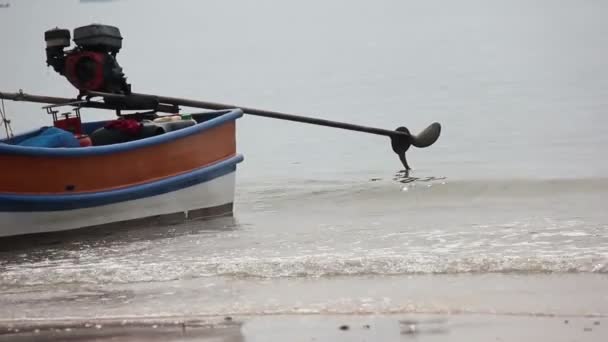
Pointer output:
x,y
52,175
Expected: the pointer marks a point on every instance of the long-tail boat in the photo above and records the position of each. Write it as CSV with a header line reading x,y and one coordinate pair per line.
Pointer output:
x,y
149,163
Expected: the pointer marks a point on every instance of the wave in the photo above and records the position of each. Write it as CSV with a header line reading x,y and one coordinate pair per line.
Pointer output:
x,y
298,267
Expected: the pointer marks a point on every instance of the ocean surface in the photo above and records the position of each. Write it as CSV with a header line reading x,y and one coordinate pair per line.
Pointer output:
x,y
505,214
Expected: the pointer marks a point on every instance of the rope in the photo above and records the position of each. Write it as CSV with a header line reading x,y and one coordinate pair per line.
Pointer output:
x,y
7,122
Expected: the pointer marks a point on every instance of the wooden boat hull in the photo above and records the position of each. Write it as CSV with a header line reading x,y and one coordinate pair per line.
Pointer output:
x,y
179,175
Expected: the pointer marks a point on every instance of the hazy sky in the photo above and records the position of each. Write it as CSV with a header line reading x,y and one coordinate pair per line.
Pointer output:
x,y
500,75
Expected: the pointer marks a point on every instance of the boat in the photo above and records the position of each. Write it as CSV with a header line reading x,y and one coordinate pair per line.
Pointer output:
x,y
148,164
175,171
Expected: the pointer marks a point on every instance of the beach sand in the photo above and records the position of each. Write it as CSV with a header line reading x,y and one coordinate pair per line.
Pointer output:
x,y
459,327
488,307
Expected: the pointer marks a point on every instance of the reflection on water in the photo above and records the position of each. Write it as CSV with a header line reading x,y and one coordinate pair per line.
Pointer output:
x,y
58,245
404,176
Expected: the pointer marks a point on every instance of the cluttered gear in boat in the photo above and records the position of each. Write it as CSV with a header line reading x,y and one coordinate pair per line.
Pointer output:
x,y
68,129
64,124
123,130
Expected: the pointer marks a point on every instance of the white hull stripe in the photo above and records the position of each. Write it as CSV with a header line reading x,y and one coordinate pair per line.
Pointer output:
x,y
217,193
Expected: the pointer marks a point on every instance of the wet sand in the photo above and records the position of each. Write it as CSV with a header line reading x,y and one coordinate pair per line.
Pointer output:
x,y
487,307
574,295
418,327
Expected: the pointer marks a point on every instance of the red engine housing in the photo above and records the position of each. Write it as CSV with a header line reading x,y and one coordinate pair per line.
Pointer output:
x,y
86,69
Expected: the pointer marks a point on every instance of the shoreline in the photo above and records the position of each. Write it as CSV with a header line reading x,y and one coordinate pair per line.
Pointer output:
x,y
535,295
315,327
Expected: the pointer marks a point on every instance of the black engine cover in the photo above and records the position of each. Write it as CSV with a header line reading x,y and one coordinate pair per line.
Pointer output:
x,y
97,37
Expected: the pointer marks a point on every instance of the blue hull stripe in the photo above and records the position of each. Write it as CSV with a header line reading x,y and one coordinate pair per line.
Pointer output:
x,y
14,203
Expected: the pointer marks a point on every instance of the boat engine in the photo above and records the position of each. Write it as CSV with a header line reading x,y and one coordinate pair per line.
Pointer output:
x,y
92,64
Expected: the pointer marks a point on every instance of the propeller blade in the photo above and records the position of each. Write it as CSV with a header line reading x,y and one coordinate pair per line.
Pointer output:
x,y
427,137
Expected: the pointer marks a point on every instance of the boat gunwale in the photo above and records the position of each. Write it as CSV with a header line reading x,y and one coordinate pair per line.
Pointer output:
x,y
227,116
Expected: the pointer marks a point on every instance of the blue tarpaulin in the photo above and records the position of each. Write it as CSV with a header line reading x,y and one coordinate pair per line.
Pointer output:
x,y
51,137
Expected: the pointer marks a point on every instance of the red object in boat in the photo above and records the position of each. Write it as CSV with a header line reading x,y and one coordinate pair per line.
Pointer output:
x,y
127,126
70,124
84,140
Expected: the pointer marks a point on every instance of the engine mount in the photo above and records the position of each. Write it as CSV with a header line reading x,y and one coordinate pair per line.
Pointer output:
x,y
92,64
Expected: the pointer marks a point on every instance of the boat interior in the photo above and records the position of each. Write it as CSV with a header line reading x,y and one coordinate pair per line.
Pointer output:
x,y
68,130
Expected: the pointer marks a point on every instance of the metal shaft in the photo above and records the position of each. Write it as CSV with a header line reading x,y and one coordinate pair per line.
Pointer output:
x,y
258,112
199,104
75,102
34,98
